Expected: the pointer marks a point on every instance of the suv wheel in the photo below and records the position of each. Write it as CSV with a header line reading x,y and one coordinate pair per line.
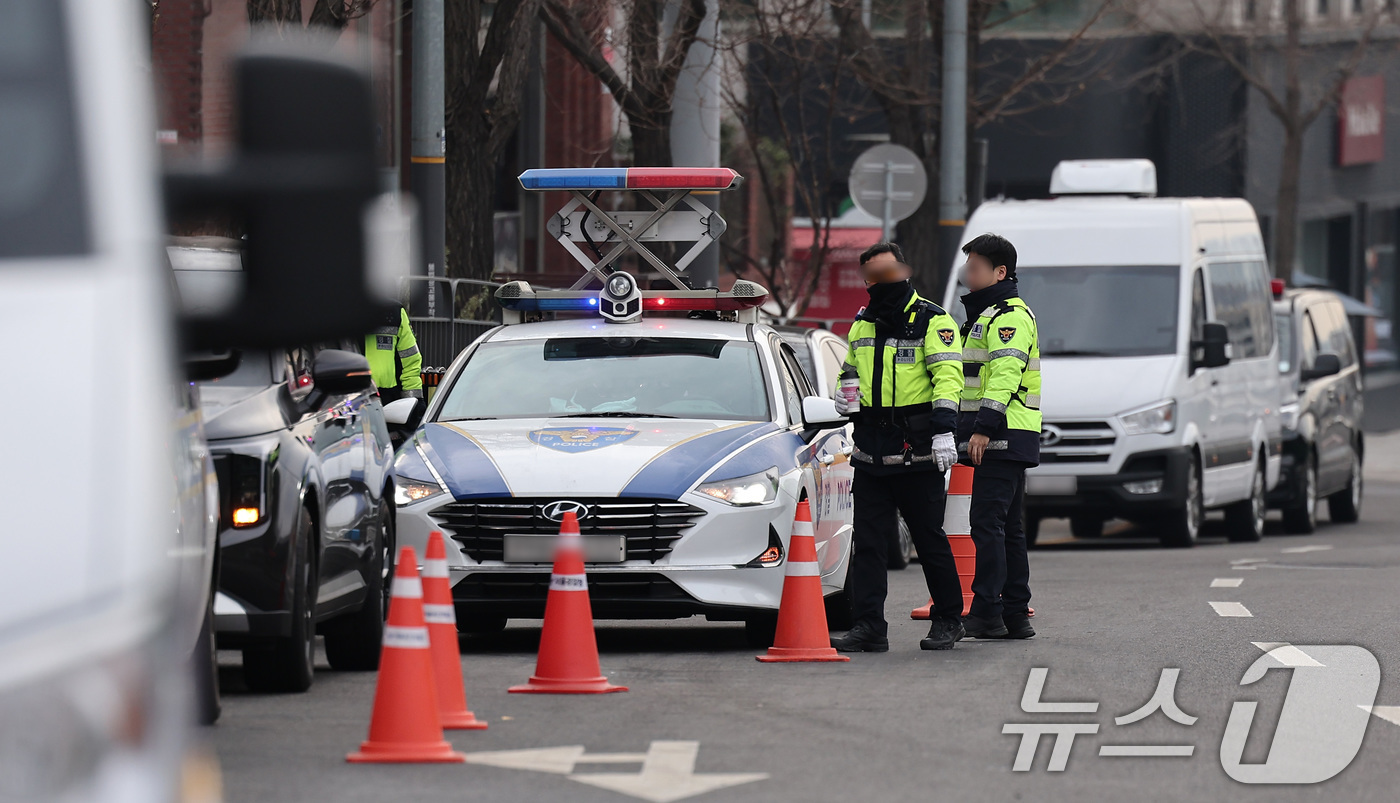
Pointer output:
x,y
1344,507
1245,519
1181,528
288,665
1300,516
353,641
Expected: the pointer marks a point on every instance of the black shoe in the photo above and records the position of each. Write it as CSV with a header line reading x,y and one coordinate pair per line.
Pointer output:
x,y
861,638
942,635
979,627
1018,625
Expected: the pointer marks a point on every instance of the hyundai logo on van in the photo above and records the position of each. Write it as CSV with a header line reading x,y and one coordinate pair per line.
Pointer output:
x,y
1050,435
554,511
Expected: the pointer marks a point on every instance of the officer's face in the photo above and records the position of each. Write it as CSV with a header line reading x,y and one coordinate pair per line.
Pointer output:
x,y
883,268
979,274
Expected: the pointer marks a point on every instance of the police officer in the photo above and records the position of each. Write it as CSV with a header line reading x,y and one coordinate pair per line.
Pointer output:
x,y
999,434
905,352
394,361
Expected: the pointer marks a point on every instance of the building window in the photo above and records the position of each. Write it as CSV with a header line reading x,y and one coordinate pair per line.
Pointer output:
x,y
1322,8
1357,7
1249,10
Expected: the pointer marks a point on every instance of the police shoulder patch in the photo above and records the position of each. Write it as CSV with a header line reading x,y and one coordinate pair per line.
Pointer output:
x,y
946,335
1006,333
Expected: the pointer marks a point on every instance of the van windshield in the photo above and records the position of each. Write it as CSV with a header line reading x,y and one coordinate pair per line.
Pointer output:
x,y
1114,311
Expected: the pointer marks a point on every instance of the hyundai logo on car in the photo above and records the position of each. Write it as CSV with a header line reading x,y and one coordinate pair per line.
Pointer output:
x,y
554,511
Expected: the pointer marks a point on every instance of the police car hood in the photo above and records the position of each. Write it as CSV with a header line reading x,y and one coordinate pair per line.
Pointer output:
x,y
1079,388
656,458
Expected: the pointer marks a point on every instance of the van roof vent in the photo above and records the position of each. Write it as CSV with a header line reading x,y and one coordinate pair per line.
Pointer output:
x,y
1104,177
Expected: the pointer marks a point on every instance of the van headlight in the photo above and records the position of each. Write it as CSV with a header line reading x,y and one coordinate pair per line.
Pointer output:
x,y
1288,416
755,489
1158,418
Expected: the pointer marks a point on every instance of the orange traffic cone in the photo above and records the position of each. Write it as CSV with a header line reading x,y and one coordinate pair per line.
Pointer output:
x,y
957,523
802,633
568,659
404,727
442,633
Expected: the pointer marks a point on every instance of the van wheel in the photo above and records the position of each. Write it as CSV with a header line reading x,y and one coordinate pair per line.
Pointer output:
x,y
288,666
901,549
1301,515
1086,526
1181,528
1344,507
1244,520
353,641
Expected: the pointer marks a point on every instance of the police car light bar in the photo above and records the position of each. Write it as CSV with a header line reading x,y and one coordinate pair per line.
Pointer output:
x,y
630,178
519,296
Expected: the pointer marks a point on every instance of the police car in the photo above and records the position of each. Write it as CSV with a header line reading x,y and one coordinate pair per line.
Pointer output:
x,y
679,431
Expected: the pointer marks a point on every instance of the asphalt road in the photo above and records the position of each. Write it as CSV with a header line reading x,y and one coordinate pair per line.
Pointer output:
x,y
1113,613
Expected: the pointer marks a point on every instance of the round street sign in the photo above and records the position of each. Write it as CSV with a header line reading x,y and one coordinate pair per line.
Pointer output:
x,y
888,182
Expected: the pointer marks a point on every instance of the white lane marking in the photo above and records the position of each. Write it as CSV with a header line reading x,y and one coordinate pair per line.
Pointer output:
x,y
1230,609
1286,653
667,772
1298,550
1226,582
1147,750
1244,561
1389,713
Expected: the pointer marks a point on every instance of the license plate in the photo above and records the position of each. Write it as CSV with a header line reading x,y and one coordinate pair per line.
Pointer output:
x,y
1051,486
540,548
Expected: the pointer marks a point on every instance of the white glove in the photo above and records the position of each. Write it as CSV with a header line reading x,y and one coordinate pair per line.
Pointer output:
x,y
945,450
842,406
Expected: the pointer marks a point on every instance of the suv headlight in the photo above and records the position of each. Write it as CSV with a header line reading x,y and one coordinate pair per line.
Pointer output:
x,y
410,492
755,489
1157,418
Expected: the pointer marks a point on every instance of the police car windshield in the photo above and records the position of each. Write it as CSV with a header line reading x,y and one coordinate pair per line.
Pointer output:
x,y
610,376
1113,311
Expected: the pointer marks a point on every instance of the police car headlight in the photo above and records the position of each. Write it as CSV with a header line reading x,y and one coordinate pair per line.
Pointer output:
x,y
1159,418
409,492
755,489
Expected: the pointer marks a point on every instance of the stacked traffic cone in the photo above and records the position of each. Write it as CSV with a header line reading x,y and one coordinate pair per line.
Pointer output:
x,y
568,659
404,727
802,633
442,633
957,523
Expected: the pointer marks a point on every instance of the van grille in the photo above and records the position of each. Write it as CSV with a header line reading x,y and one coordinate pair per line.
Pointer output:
x,y
650,525
1076,442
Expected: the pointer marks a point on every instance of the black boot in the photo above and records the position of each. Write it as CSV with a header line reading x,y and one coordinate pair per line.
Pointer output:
x,y
979,627
1018,625
942,635
861,638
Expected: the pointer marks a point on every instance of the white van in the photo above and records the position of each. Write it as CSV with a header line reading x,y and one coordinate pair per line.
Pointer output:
x,y
1161,392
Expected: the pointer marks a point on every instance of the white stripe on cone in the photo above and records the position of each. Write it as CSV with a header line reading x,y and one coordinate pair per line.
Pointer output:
x,y
407,587
804,568
568,582
435,614
406,638
435,568
957,517
801,528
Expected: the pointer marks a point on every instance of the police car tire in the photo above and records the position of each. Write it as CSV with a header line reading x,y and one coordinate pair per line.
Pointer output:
x,y
901,549
840,607
761,628
289,665
480,625
353,641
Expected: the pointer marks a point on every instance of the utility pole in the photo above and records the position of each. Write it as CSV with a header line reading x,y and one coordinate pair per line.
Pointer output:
x,y
952,145
695,121
428,169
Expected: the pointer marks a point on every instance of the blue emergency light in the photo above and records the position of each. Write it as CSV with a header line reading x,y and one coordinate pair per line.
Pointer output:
x,y
630,178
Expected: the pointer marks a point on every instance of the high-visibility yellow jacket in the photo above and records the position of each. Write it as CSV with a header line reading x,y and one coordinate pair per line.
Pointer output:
x,y
394,360
1001,364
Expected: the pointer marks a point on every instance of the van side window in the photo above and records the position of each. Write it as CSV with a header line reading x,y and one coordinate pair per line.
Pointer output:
x,y
1307,341
1243,303
1198,307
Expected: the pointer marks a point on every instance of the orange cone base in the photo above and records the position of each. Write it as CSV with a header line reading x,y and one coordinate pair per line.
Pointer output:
x,y
539,685
461,721
789,655
922,612
413,753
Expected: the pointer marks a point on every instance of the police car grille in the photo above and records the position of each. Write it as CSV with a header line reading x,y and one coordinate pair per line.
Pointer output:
x,y
1080,442
650,525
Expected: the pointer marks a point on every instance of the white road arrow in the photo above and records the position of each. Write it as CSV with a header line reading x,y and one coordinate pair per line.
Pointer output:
x,y
556,760
1389,713
668,773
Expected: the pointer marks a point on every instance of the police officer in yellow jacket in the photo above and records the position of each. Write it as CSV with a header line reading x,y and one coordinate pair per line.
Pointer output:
x,y
906,353
999,434
395,364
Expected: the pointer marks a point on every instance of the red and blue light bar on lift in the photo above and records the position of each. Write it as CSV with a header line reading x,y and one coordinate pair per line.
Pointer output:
x,y
630,178
519,296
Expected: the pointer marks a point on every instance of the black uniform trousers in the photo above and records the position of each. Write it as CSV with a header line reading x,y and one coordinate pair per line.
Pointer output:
x,y
919,496
1002,584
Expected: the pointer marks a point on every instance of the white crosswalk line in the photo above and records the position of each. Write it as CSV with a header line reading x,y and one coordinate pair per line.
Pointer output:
x,y
1233,609
1298,550
1226,582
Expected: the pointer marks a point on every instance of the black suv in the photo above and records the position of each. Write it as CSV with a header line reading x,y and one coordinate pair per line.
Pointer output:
x,y
1322,405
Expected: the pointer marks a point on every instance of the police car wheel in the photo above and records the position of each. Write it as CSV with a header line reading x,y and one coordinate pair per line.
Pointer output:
x,y
480,625
760,629
901,549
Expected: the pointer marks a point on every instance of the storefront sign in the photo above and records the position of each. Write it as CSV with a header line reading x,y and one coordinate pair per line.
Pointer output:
x,y
1361,121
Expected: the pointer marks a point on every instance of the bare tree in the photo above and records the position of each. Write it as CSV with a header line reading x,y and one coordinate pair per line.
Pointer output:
x,y
330,14
1293,95
785,131
654,59
485,70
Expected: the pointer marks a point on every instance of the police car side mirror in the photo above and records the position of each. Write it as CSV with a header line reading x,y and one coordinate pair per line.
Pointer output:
x,y
403,413
300,182
1213,349
819,413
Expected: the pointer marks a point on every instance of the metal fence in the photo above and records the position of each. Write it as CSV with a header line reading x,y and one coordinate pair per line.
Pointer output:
x,y
463,310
